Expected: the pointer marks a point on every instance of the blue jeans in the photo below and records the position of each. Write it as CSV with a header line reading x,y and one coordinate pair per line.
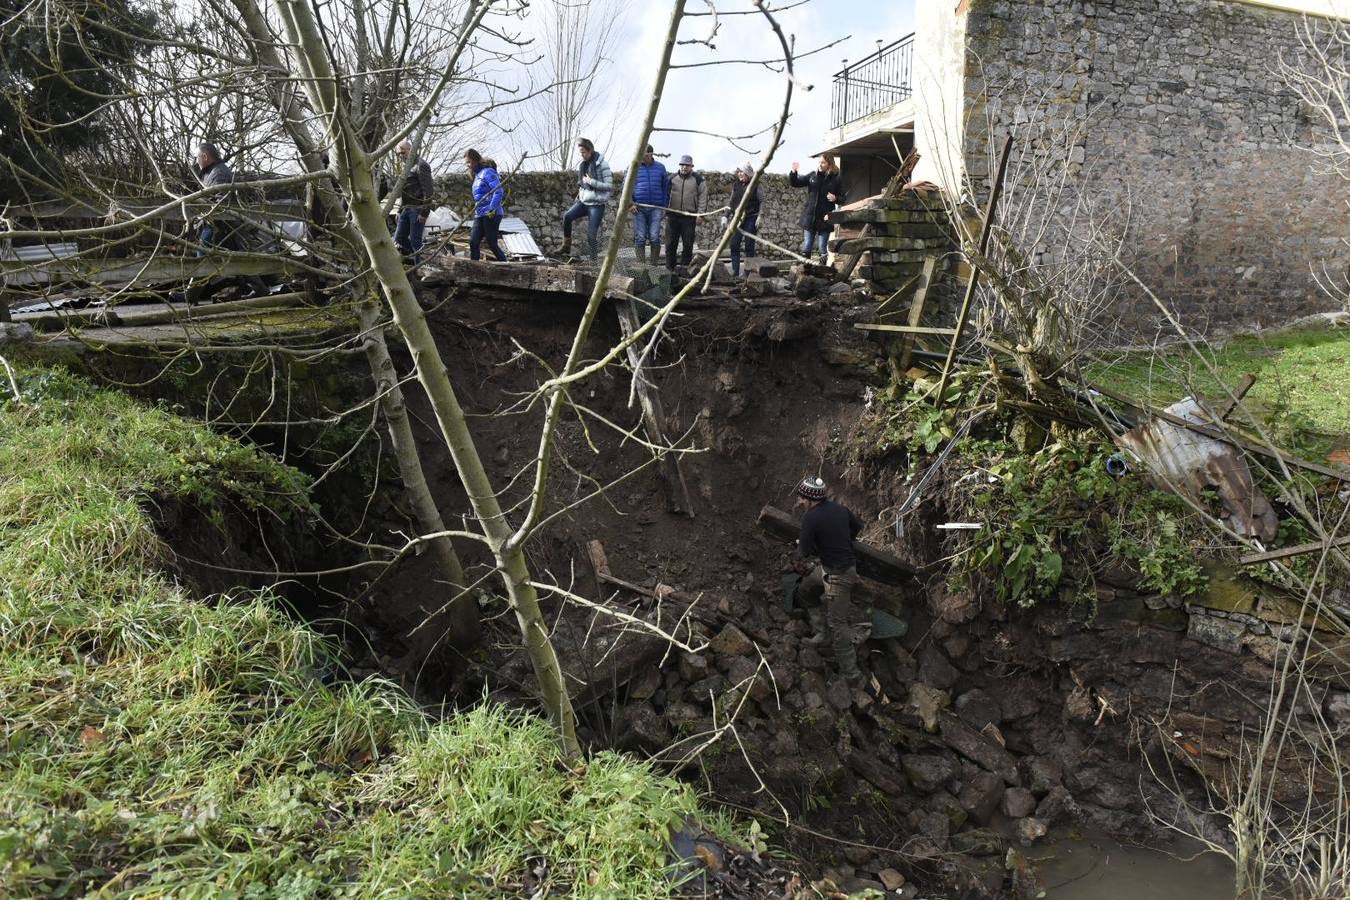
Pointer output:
x,y
646,226
594,213
485,229
751,227
408,232
820,238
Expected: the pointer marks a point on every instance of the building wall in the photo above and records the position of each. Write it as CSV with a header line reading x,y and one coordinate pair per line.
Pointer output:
x,y
939,93
540,198
1191,137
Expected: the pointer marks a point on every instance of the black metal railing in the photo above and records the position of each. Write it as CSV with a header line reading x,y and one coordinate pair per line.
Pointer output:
x,y
878,82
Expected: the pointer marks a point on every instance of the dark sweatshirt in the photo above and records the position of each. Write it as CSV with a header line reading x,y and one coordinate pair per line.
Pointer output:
x,y
828,530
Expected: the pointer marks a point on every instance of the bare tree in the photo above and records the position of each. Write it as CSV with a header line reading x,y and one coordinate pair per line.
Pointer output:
x,y
579,38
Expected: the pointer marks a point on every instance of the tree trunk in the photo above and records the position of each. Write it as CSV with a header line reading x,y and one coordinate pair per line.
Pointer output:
x,y
463,612
431,372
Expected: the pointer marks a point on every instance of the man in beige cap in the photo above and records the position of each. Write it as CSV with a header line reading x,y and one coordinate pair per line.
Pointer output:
x,y
688,197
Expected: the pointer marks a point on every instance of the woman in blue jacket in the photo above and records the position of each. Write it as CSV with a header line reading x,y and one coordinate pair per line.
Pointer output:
x,y
487,205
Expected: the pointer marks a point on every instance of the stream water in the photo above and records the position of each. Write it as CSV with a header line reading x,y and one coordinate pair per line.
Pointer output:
x,y
1096,867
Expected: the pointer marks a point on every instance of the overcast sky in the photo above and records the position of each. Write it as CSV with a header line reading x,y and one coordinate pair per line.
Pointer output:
x,y
738,99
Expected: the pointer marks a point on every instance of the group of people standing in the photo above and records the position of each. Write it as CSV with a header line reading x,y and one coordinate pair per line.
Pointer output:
x,y
681,198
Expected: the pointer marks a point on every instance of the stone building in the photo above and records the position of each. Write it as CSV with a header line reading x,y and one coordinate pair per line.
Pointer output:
x,y
1170,120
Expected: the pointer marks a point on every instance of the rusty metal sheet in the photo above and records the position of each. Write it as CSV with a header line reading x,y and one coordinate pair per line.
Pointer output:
x,y
1192,463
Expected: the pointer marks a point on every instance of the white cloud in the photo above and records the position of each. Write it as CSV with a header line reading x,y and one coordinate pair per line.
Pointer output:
x,y
740,99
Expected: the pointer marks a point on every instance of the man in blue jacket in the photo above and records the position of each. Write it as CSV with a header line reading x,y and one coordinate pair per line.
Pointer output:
x,y
650,193
594,182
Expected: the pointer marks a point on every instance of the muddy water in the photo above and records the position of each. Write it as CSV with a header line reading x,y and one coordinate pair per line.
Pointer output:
x,y
1094,867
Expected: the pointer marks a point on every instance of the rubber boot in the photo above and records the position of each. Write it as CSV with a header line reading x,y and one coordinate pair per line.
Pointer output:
x,y
655,254
566,249
641,254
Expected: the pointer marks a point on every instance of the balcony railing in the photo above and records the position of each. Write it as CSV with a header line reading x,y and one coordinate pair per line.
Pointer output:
x,y
870,85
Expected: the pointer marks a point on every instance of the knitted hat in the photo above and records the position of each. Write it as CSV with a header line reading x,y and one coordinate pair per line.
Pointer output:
x,y
748,170
811,488
686,160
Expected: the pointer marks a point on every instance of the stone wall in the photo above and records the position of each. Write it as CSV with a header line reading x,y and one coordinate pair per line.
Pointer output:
x,y
540,198
1189,126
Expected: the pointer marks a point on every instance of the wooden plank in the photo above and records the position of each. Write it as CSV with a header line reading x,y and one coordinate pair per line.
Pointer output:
x,y
1237,394
916,310
653,417
146,271
595,552
986,229
872,562
894,185
110,317
1298,550
906,329
283,210
523,281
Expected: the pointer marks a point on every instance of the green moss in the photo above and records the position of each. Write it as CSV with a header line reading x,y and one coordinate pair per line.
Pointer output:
x,y
157,745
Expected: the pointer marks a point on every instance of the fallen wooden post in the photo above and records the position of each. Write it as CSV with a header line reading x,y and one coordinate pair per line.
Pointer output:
x,y
653,418
1237,394
872,562
986,230
916,311
1298,550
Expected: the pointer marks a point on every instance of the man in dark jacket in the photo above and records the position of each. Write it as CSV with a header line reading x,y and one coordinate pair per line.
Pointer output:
x,y
688,198
824,191
749,224
651,190
416,203
828,531
217,229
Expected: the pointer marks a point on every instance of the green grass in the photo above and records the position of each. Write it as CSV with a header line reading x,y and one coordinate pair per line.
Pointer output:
x,y
155,745
1302,377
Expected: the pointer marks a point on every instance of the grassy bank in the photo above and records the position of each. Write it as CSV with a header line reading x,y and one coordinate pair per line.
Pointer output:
x,y
156,745
1302,377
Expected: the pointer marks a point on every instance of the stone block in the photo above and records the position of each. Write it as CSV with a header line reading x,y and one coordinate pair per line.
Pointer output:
x,y
1221,634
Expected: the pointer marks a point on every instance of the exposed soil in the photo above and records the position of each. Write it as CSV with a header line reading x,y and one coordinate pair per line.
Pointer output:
x,y
981,726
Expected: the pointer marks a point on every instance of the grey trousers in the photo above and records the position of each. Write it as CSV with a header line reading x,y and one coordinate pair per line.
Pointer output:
x,y
848,624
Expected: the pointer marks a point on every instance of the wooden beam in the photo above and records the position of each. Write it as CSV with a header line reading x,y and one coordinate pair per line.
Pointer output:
x,y
524,281
1237,394
872,562
284,210
985,231
653,417
849,262
111,317
1297,550
916,310
154,270
906,329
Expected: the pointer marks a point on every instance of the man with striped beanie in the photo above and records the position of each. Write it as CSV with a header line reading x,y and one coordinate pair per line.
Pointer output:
x,y
828,531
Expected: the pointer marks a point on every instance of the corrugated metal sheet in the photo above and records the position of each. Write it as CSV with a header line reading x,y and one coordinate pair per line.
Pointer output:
x,y
40,252
516,240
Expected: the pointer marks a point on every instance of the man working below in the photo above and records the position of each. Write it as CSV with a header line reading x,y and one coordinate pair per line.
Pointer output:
x,y
828,531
